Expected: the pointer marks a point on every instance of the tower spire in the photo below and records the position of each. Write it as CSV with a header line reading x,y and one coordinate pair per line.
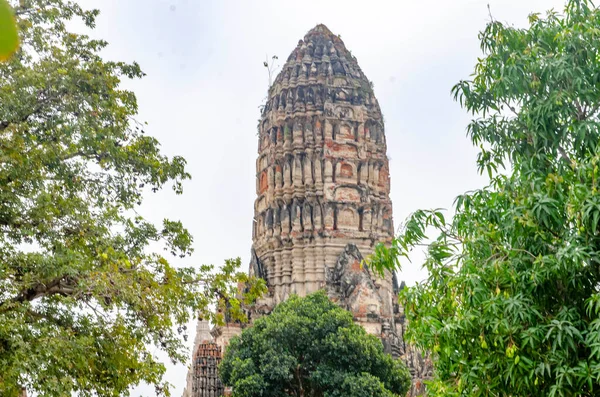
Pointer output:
x,y
322,170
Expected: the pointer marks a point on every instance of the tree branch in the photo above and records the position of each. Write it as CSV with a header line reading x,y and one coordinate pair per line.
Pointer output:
x,y
61,286
564,155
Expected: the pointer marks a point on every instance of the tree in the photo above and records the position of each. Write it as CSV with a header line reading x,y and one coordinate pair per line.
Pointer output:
x,y
310,347
84,300
511,306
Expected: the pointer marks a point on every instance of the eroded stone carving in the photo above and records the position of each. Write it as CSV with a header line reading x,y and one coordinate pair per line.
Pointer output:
x,y
320,177
351,285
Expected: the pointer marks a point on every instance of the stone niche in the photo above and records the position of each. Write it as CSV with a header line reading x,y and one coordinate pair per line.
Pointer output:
x,y
348,219
347,194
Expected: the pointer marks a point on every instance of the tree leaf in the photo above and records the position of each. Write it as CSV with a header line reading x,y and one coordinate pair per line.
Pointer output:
x,y
9,37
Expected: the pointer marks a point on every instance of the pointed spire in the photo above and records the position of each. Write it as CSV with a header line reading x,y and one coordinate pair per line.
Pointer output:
x,y
202,332
319,29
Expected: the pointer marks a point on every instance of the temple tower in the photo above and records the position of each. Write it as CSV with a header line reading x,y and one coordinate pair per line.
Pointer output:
x,y
206,381
322,186
203,377
322,174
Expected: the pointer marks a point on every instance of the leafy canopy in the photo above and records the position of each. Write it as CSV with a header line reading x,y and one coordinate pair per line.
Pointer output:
x,y
84,300
310,347
511,306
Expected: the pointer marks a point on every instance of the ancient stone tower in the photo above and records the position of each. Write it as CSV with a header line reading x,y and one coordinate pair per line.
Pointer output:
x,y
322,171
206,381
203,377
322,185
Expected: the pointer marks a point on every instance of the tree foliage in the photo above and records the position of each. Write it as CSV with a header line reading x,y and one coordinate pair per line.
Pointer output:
x,y
511,306
86,295
310,347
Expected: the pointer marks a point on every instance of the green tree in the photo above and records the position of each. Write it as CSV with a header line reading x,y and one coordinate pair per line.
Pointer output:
x,y
84,300
511,306
310,347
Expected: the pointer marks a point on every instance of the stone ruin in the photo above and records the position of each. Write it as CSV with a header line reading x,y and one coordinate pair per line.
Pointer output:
x,y
203,378
205,369
322,185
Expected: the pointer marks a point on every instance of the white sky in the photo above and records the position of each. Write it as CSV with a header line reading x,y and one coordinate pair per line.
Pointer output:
x,y
206,81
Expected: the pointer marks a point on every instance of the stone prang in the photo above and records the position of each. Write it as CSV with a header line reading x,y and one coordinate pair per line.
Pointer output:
x,y
322,178
322,186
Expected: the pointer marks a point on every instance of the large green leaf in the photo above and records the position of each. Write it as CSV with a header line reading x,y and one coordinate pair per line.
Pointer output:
x,y
9,38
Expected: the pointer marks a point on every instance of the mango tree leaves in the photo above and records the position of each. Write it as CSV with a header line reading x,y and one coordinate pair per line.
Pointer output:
x,y
510,306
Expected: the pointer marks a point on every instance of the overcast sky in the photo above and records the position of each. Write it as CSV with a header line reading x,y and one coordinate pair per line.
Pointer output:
x,y
205,81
